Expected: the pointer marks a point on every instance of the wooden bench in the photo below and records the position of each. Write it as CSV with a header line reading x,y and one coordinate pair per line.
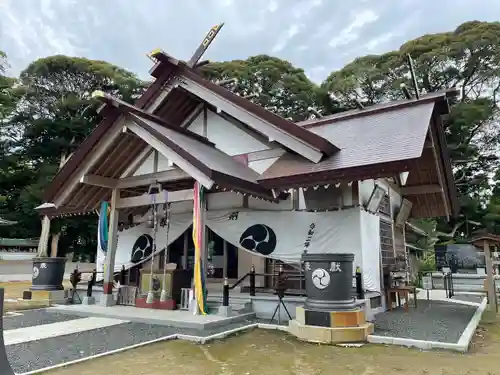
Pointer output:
x,y
398,292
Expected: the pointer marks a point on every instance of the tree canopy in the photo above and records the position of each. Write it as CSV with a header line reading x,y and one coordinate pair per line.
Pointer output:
x,y
272,83
47,111
467,58
53,114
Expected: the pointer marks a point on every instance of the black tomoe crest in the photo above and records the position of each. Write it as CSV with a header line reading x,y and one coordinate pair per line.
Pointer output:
x,y
143,247
259,238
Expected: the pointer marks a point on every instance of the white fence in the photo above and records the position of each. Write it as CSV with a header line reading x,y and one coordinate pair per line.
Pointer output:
x,y
8,255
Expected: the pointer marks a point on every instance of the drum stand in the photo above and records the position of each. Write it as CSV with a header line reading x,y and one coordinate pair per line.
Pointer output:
x,y
74,294
277,310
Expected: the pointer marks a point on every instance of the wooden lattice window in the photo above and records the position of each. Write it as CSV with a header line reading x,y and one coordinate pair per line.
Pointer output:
x,y
386,243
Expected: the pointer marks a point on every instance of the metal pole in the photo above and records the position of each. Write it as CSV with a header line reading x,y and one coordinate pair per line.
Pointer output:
x,y
163,296
185,250
151,295
225,293
225,259
252,281
489,277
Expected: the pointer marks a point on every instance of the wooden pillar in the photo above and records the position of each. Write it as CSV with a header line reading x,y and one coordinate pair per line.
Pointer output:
x,y
492,297
44,238
109,266
185,252
224,267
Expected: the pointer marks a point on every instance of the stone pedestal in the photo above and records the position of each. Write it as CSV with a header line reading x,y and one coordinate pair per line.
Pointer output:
x,y
330,327
225,311
330,315
48,296
88,300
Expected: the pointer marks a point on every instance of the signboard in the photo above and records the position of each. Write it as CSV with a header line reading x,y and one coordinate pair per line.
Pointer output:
x,y
427,282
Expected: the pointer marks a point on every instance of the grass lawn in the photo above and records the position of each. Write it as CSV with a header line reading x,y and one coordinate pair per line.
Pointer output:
x,y
270,352
14,290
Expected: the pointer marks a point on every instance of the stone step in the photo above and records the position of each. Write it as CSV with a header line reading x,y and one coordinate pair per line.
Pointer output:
x,y
235,306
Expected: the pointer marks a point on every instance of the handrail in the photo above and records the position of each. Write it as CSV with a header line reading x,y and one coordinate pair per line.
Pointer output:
x,y
240,280
282,276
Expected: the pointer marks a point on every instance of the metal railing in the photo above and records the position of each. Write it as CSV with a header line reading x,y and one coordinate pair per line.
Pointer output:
x,y
279,280
448,284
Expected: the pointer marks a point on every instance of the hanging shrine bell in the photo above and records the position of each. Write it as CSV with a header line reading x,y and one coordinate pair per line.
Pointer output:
x,y
152,190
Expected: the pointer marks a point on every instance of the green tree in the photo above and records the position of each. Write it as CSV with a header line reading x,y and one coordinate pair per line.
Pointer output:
x,y
270,82
467,58
53,116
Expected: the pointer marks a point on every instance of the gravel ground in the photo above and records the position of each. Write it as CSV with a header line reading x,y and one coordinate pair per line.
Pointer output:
x,y
30,318
432,320
35,355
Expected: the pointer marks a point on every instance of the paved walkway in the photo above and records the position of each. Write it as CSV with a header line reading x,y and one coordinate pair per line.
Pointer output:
x,y
45,331
42,338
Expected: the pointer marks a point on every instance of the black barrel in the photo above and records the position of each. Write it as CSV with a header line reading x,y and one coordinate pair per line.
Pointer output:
x,y
48,273
329,281
5,368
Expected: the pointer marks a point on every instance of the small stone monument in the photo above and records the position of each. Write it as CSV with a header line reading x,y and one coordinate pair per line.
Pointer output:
x,y
331,314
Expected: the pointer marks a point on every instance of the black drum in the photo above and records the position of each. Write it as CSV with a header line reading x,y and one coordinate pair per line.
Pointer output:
x,y
48,273
329,281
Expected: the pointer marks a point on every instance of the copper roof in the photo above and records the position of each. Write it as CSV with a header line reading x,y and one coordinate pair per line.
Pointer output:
x,y
109,116
379,141
383,137
224,170
328,147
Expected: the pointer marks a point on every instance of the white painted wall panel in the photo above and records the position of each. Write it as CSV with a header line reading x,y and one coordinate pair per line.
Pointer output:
x,y
258,204
148,164
226,136
369,225
260,166
224,201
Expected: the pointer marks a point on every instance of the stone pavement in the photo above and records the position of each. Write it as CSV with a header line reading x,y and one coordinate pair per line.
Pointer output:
x,y
38,339
431,321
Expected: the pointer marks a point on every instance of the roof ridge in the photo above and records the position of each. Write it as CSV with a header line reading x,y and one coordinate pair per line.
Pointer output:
x,y
379,107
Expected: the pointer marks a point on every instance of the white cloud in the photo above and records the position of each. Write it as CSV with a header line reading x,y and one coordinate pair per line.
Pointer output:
x,y
317,73
290,33
316,35
382,39
225,3
273,6
350,33
305,7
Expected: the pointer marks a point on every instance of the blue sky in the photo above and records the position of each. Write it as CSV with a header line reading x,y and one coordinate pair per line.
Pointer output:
x,y
317,35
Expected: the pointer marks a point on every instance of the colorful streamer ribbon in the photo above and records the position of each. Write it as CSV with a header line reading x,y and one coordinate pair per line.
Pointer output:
x,y
103,226
198,228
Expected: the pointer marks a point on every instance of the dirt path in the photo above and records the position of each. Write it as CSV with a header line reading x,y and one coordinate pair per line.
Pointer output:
x,y
269,352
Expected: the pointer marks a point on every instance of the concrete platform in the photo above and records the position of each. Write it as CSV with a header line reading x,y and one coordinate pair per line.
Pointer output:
x,y
172,318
